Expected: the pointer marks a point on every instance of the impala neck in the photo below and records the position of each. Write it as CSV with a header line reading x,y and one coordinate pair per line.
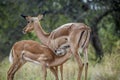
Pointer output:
x,y
41,34
60,60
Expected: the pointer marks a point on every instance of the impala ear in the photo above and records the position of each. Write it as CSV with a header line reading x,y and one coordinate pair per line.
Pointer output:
x,y
40,17
44,13
23,16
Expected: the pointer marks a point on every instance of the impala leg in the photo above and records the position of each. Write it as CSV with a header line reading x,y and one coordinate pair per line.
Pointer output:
x,y
79,62
53,70
56,68
86,63
44,72
61,71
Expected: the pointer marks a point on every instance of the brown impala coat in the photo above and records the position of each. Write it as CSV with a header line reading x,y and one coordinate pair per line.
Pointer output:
x,y
31,51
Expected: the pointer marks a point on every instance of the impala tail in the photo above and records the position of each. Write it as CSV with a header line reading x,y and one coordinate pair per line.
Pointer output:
x,y
10,56
84,38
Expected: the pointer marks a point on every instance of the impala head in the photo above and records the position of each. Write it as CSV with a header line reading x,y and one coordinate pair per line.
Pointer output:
x,y
30,22
62,50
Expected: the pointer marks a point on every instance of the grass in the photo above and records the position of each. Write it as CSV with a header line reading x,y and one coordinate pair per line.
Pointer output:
x,y
32,71
108,69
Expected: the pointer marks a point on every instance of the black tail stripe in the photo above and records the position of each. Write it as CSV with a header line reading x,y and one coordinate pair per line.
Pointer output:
x,y
85,39
81,36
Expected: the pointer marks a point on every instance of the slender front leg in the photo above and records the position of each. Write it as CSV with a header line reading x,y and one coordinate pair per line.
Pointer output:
x,y
61,71
44,70
53,70
56,68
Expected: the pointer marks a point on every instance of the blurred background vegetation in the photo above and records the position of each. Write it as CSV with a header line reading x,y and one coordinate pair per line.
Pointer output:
x,y
103,16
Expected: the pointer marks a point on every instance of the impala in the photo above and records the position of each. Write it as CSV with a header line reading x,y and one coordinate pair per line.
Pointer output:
x,y
32,51
78,38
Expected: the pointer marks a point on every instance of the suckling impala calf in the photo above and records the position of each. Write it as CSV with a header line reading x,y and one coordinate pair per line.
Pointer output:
x,y
60,44
32,51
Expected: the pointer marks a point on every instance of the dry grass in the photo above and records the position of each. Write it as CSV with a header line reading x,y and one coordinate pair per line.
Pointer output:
x,y
108,69
32,71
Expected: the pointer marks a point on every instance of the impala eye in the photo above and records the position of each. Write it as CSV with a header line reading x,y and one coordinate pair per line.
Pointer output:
x,y
28,22
32,21
65,38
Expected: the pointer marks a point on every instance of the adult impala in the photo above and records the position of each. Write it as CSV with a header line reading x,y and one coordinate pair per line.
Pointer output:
x,y
29,50
78,39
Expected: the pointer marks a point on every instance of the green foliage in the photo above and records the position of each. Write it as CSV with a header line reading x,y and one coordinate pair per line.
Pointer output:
x,y
52,22
107,34
9,23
